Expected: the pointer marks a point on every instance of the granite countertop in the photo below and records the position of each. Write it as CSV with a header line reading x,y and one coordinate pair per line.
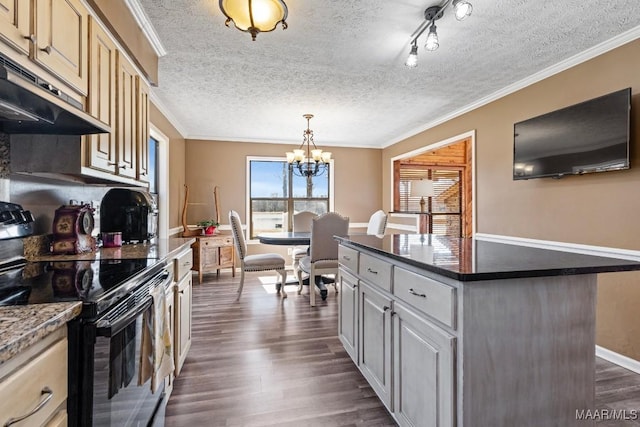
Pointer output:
x,y
468,259
23,326
158,249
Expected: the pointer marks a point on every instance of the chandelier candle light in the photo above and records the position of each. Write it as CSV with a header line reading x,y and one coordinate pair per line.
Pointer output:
x,y
461,8
307,161
255,16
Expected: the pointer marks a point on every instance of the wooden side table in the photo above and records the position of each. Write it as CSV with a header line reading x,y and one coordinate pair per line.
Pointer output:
x,y
211,253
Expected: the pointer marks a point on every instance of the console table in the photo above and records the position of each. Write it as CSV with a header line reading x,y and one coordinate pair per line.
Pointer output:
x,y
464,332
211,253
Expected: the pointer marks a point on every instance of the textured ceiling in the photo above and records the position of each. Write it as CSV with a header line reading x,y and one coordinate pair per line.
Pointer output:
x,y
343,61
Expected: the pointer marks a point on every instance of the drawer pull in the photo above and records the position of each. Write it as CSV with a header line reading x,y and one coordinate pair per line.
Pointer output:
x,y
44,400
412,292
31,38
346,258
371,271
186,263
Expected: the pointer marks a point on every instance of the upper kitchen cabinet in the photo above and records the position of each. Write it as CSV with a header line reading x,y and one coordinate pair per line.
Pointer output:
x,y
102,98
61,40
143,130
127,137
15,28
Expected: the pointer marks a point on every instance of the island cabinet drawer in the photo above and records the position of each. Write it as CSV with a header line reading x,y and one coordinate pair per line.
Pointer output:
x,y
375,271
183,264
434,298
42,382
348,257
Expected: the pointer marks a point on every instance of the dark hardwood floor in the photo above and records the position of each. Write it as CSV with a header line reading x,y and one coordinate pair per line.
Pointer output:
x,y
264,361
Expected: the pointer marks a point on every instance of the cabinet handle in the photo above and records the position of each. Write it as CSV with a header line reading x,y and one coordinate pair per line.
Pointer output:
x,y
386,308
46,50
186,263
393,313
122,166
412,292
112,163
346,258
371,271
44,400
143,173
31,38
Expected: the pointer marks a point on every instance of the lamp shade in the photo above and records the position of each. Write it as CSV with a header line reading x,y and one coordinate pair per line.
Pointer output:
x,y
422,188
255,16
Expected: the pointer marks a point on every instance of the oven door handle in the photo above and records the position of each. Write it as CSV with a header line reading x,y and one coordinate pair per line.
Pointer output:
x,y
106,328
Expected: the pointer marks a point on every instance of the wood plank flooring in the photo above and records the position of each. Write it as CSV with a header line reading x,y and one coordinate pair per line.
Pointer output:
x,y
264,361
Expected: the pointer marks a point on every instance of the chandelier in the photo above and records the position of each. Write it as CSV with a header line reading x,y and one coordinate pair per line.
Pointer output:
x,y
255,16
307,161
461,8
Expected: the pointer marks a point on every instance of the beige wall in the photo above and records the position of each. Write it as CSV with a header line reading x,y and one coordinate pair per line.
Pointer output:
x,y
176,164
211,163
597,209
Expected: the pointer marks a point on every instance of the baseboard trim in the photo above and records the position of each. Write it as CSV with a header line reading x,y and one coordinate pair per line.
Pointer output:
x,y
602,251
618,359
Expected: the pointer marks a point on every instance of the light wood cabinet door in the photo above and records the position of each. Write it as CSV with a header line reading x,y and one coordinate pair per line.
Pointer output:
x,y
62,37
348,313
171,313
14,24
375,341
102,97
126,133
142,126
182,341
423,385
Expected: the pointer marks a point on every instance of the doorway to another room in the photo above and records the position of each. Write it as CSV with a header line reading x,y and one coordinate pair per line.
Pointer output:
x,y
449,208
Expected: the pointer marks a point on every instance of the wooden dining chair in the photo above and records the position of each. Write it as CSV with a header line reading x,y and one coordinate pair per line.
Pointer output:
x,y
323,256
259,262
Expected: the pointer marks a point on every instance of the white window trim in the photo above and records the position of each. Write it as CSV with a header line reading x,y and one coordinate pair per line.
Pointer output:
x,y
247,192
163,180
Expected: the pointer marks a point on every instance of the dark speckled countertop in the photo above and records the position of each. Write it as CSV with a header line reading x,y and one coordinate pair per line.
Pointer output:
x,y
23,325
474,259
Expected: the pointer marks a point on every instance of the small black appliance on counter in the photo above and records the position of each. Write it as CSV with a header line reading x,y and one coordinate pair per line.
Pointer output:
x,y
132,212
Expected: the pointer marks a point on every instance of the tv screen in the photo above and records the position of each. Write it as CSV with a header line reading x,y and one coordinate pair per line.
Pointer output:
x,y
592,136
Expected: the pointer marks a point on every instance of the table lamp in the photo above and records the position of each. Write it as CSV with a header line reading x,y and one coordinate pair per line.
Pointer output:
x,y
422,188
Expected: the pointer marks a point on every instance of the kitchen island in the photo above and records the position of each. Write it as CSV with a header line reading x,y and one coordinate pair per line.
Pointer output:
x,y
465,332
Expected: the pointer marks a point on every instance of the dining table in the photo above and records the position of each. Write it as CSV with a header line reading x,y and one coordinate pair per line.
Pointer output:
x,y
286,238
292,238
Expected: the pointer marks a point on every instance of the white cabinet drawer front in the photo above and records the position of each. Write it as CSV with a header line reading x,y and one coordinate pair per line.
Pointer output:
x,y
183,264
23,391
348,257
375,271
433,298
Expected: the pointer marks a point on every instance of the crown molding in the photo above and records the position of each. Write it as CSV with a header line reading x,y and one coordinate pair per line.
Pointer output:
x,y
145,25
572,61
167,113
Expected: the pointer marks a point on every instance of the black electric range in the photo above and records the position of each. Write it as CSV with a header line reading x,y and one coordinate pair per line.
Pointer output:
x,y
98,283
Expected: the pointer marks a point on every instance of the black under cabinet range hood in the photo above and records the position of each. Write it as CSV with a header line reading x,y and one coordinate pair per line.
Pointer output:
x,y
31,105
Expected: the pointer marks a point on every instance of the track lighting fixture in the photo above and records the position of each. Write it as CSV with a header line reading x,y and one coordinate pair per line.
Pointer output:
x,y
461,9
412,60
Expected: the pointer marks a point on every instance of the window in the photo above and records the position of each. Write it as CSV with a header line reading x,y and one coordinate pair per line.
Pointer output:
x,y
275,194
445,205
153,166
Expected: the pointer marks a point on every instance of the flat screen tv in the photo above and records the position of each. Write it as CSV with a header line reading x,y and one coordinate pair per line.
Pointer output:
x,y
592,136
